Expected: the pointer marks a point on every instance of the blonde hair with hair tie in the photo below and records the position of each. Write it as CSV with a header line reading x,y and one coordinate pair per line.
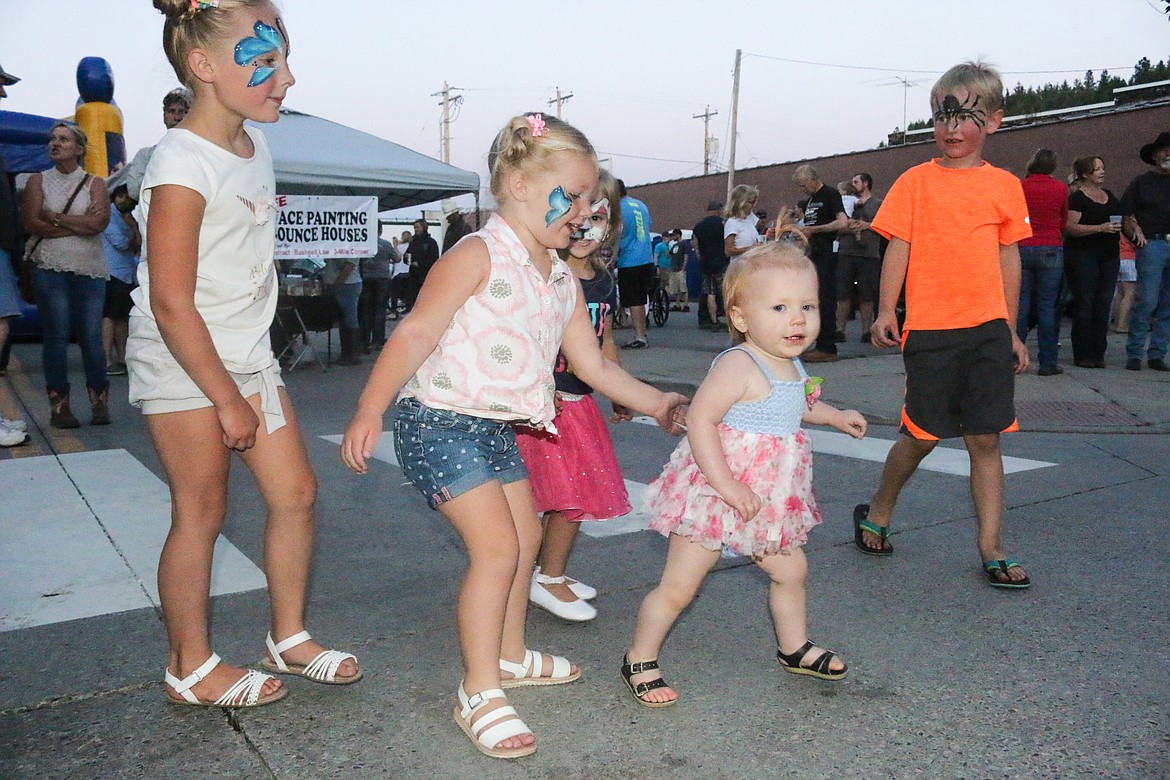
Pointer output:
x,y
518,147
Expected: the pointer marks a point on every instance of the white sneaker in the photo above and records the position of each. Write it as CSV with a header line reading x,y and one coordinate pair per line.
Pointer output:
x,y
12,438
578,610
16,425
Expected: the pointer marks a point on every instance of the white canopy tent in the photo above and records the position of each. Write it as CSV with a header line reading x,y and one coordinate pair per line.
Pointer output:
x,y
313,156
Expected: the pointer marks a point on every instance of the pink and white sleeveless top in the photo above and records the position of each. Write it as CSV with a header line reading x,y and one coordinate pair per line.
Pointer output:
x,y
496,358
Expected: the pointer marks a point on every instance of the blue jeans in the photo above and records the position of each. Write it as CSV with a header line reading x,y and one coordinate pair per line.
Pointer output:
x,y
347,298
1042,268
1151,312
71,304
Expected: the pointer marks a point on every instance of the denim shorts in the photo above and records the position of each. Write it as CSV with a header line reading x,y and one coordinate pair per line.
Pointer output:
x,y
445,454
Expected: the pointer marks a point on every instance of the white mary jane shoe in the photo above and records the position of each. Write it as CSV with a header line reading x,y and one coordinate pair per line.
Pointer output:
x,y
580,589
578,611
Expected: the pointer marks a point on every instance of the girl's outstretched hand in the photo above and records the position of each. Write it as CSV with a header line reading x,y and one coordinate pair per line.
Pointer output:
x,y
360,439
742,499
620,413
673,415
850,421
239,423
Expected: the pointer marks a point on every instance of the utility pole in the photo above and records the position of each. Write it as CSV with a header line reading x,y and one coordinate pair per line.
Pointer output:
x,y
449,101
706,117
558,100
905,92
734,124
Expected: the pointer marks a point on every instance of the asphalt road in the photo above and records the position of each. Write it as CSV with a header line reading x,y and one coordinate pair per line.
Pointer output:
x,y
948,677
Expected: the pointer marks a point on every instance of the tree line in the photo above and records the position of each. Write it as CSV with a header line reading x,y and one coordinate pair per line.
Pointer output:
x,y
1081,92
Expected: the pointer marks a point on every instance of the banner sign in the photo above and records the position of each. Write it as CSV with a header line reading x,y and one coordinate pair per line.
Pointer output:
x,y
321,226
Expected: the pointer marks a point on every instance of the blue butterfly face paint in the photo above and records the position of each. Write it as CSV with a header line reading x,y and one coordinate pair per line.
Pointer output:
x,y
560,204
253,51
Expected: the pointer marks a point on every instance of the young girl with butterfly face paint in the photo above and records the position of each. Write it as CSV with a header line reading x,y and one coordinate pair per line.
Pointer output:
x,y
200,363
475,355
574,473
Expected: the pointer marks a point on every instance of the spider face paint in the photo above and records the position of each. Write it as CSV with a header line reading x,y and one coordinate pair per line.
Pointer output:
x,y
559,205
260,52
952,112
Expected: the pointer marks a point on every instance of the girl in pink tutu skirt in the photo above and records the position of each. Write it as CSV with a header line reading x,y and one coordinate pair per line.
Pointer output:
x,y
742,478
574,472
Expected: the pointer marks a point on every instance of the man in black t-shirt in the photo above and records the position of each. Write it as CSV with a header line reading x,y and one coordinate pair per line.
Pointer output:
x,y
707,240
824,215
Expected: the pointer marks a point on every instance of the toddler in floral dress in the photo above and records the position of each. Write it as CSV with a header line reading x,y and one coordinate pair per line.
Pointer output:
x,y
742,479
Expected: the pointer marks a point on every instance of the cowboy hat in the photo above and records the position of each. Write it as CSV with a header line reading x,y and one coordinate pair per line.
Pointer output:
x,y
1147,152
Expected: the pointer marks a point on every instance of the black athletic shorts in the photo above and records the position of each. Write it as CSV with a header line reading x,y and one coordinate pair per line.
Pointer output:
x,y
959,382
635,284
118,303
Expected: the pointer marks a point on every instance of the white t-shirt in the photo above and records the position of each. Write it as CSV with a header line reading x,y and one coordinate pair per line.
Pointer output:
x,y
403,264
235,279
743,229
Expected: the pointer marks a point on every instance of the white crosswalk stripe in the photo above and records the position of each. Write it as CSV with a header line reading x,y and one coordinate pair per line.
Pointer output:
x,y
82,535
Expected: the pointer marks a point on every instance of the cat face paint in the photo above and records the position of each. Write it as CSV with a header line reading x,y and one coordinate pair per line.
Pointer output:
x,y
952,112
559,205
597,228
260,52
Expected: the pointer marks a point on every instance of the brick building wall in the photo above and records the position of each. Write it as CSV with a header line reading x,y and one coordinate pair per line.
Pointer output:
x,y
1116,137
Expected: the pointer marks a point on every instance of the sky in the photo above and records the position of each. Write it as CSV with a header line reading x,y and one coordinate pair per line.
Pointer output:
x,y
816,78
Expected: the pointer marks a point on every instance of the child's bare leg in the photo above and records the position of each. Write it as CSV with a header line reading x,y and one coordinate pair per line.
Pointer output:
x,y
987,494
483,519
559,535
196,463
280,466
687,563
528,534
901,463
787,602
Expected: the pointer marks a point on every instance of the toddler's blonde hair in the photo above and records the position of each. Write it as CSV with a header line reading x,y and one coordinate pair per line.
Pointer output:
x,y
978,78
773,256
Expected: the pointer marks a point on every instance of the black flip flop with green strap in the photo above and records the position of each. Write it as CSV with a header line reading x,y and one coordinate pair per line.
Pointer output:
x,y
861,523
997,569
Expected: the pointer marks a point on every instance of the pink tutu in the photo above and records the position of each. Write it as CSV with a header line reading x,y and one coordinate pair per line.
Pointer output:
x,y
575,471
777,468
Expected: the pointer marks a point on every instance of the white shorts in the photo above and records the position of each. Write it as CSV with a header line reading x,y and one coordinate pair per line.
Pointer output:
x,y
161,387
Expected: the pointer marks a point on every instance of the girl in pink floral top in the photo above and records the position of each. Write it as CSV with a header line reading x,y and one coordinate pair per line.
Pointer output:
x,y
742,479
475,355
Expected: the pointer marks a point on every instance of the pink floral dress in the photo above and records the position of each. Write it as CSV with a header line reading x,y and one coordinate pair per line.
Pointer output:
x,y
767,451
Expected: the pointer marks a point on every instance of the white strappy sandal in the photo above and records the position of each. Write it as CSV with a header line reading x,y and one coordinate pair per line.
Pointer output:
x,y
322,669
493,727
245,692
528,673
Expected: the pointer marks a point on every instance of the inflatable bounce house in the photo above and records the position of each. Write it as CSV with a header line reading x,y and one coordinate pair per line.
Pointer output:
x,y
24,137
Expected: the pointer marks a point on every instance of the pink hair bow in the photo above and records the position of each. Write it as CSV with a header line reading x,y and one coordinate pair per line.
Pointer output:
x,y
203,5
535,121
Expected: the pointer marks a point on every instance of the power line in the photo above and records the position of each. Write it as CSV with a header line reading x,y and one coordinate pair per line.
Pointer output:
x,y
912,70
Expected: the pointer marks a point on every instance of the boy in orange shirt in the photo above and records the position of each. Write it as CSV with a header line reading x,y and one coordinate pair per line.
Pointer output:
x,y
953,225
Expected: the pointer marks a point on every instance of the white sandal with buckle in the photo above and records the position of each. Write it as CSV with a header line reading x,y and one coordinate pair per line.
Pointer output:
x,y
493,727
322,669
245,692
529,672
580,589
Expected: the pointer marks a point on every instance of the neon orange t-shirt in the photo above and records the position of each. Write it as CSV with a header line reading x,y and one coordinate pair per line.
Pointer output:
x,y
955,220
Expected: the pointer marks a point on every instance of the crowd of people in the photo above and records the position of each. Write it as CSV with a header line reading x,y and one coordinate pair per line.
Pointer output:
x,y
1081,262
490,380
